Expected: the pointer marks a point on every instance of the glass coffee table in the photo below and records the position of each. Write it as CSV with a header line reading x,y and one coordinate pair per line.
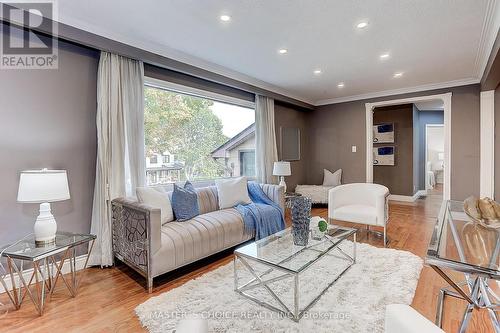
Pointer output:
x,y
278,268
460,245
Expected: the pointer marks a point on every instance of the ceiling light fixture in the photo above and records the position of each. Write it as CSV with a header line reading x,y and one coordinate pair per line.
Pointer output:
x,y
282,51
317,71
225,18
362,25
341,85
398,75
384,56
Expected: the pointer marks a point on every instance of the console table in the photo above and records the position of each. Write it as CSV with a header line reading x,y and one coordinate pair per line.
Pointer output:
x,y
460,245
46,265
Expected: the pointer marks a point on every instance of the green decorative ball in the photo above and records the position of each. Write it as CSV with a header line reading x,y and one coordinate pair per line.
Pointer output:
x,y
322,225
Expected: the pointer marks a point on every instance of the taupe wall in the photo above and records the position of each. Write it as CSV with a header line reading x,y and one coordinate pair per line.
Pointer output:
x,y
48,120
291,117
335,128
398,177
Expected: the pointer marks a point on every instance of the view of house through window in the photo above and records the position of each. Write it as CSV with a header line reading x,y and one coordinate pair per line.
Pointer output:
x,y
194,138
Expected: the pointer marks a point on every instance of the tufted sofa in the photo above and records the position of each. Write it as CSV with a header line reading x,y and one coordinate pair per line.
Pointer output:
x,y
153,249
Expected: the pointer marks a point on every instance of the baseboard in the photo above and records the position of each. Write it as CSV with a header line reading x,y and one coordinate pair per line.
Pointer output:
x,y
80,262
407,198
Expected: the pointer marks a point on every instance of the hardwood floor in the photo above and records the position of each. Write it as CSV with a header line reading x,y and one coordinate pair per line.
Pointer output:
x,y
107,298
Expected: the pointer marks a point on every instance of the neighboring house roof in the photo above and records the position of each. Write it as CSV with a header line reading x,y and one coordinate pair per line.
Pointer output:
x,y
235,141
172,166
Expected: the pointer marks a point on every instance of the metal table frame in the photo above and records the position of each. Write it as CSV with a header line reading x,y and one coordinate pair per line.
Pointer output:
x,y
46,272
478,293
257,281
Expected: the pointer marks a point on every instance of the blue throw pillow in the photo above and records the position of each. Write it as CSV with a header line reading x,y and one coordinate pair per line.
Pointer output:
x,y
185,202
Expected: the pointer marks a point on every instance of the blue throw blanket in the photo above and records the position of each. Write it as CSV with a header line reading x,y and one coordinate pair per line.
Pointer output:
x,y
263,215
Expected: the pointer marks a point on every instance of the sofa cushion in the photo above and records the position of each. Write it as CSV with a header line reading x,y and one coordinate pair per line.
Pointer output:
x,y
185,202
208,200
232,192
199,237
154,197
356,213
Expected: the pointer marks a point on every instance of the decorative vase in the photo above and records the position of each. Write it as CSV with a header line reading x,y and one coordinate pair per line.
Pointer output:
x,y
301,211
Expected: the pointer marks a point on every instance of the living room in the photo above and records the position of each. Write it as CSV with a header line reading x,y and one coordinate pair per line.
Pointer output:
x,y
221,166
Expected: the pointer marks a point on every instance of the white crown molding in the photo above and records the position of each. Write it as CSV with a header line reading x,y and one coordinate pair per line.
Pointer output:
x,y
491,24
425,87
180,56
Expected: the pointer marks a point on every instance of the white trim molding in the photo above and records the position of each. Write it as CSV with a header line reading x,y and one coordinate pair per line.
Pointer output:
x,y
446,98
385,93
487,144
407,198
80,262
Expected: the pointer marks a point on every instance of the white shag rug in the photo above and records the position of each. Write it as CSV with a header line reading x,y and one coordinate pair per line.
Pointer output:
x,y
355,303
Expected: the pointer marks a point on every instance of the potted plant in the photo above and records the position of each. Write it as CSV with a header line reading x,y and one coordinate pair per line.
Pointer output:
x,y
319,227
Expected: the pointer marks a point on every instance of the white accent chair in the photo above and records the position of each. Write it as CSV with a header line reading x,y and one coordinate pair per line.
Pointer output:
x,y
363,203
403,318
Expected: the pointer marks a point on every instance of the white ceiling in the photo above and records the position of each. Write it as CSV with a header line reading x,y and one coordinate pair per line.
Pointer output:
x,y
435,43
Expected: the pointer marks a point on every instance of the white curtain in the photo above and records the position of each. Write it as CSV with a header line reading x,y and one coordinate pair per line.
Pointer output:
x,y
265,139
120,164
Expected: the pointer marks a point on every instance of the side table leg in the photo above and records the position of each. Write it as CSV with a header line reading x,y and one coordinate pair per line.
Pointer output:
x,y
15,291
439,308
470,307
84,269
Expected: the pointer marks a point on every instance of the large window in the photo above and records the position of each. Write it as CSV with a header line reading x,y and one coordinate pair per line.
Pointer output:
x,y
196,138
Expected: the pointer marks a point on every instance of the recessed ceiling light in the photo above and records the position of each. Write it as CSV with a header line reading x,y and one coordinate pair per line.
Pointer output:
x,y
384,56
398,74
341,85
317,71
282,51
362,25
225,18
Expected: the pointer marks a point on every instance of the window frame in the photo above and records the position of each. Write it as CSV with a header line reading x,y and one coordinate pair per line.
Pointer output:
x,y
195,92
190,91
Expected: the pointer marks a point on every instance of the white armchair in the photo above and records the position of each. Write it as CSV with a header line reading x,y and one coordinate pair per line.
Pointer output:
x,y
362,203
403,318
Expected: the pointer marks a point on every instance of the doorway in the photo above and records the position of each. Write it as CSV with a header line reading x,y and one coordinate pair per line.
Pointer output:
x,y
434,159
446,102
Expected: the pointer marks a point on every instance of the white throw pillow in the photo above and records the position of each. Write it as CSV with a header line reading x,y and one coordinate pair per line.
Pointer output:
x,y
332,179
158,199
232,192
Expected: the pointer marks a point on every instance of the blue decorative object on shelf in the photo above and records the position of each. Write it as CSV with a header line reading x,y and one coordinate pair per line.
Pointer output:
x,y
301,213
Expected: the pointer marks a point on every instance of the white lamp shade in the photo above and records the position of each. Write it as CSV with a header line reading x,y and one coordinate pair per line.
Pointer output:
x,y
282,169
37,186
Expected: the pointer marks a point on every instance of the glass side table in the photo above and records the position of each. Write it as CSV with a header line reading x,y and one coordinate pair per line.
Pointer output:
x,y
47,263
458,244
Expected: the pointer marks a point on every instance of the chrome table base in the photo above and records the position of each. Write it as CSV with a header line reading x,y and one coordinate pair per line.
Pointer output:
x,y
258,281
46,273
480,296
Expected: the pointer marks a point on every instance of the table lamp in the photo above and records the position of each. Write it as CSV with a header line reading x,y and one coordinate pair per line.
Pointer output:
x,y
43,187
282,169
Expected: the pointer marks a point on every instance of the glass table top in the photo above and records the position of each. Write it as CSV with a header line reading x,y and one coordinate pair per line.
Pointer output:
x,y
279,250
27,250
460,244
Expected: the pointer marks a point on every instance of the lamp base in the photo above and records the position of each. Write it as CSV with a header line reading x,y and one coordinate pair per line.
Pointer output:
x,y
45,226
282,182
